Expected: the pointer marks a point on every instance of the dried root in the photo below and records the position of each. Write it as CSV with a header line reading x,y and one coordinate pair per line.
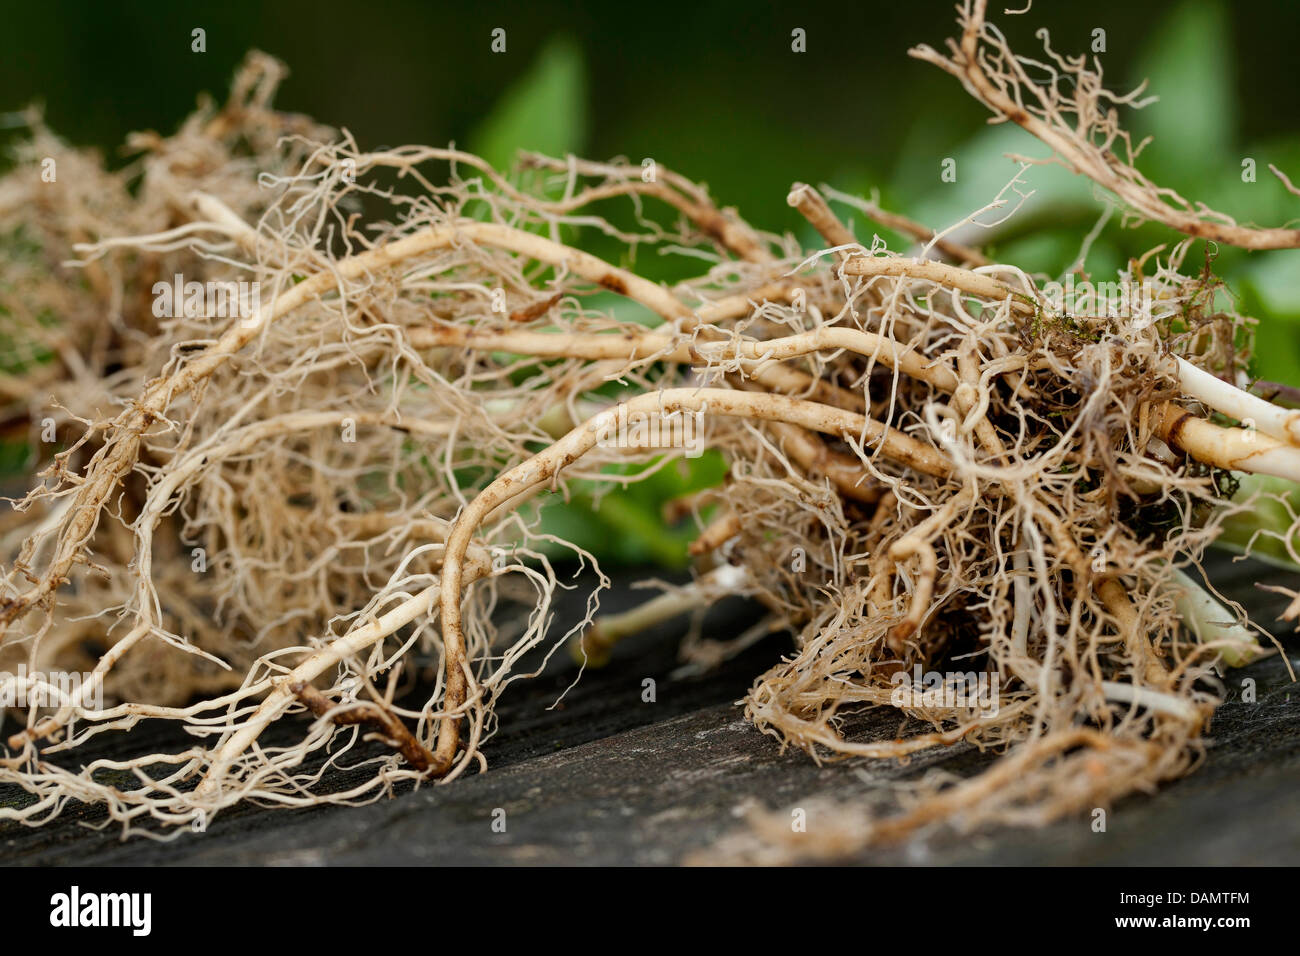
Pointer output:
x,y
261,512
1062,101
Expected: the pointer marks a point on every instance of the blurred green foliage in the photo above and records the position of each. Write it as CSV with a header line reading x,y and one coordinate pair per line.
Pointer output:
x,y
544,111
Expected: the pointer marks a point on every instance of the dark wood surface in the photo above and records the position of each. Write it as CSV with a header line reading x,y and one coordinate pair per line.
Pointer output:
x,y
605,778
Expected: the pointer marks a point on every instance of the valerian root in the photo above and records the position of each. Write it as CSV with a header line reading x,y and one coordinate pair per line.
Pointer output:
x,y
931,469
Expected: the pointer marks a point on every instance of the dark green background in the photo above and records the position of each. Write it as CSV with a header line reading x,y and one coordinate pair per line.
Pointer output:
x,y
714,88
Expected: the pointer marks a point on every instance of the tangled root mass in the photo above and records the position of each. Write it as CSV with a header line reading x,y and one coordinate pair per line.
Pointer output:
x,y
271,507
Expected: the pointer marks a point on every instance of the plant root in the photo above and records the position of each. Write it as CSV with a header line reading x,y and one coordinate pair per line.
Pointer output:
x,y
931,471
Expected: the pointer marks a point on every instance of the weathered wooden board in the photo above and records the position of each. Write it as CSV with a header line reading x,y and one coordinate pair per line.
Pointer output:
x,y
605,778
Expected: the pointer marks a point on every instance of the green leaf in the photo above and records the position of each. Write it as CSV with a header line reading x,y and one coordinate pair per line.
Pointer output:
x,y
627,527
1269,292
1059,200
1277,352
1276,281
544,111
1188,65
1265,527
